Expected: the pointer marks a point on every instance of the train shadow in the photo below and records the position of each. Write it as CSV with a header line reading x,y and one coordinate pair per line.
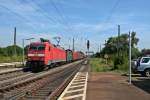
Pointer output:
x,y
142,83
133,75
28,69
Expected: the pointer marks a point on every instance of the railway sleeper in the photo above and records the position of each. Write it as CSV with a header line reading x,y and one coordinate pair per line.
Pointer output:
x,y
38,86
35,97
41,94
44,90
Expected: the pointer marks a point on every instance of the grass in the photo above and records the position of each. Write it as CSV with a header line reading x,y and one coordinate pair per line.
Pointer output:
x,y
7,59
99,65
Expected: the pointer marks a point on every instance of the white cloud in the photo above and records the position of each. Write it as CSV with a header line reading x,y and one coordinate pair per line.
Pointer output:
x,y
41,26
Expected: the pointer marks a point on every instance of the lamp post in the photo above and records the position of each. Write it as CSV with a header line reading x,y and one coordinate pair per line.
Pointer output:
x,y
23,48
130,78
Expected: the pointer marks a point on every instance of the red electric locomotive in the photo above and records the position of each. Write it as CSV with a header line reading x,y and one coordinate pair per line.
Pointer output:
x,y
43,54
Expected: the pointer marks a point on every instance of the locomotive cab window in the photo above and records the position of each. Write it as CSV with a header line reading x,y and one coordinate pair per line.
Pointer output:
x,y
41,48
38,47
33,47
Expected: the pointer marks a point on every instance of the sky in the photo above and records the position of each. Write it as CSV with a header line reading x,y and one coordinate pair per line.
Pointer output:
x,y
94,20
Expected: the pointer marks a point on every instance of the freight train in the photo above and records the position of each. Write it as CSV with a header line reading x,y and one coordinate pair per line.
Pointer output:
x,y
42,55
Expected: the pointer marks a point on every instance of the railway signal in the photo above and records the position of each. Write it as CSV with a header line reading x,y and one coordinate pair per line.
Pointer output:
x,y
88,44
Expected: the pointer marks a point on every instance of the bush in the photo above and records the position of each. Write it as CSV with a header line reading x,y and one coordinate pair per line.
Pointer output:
x,y
120,63
124,66
99,65
6,59
117,62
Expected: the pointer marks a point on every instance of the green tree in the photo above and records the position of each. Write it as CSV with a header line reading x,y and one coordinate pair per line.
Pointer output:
x,y
9,51
120,45
112,45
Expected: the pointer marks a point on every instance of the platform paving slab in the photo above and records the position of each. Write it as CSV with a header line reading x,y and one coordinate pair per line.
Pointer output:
x,y
9,70
112,86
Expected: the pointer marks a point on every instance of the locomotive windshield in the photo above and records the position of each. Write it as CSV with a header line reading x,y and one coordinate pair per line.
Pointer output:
x,y
37,47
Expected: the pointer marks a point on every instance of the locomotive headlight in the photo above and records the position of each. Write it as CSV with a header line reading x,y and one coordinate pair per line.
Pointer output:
x,y
41,55
37,55
30,55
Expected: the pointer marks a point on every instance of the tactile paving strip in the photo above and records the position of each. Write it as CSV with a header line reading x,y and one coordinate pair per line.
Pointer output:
x,y
76,90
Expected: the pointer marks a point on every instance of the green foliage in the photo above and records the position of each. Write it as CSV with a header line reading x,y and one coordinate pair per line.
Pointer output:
x,y
117,61
5,59
135,53
120,63
97,54
120,43
117,48
134,39
9,51
7,54
99,65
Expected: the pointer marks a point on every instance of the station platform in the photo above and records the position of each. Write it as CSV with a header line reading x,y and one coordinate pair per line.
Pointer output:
x,y
112,86
76,90
7,70
102,86
10,64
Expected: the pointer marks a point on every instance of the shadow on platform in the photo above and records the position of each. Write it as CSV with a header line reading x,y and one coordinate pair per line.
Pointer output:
x,y
142,83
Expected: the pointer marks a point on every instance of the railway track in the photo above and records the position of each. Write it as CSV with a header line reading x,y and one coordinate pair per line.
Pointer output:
x,y
7,76
37,86
43,92
54,95
10,71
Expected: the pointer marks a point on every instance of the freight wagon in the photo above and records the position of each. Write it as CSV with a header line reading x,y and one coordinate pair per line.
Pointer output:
x,y
69,55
